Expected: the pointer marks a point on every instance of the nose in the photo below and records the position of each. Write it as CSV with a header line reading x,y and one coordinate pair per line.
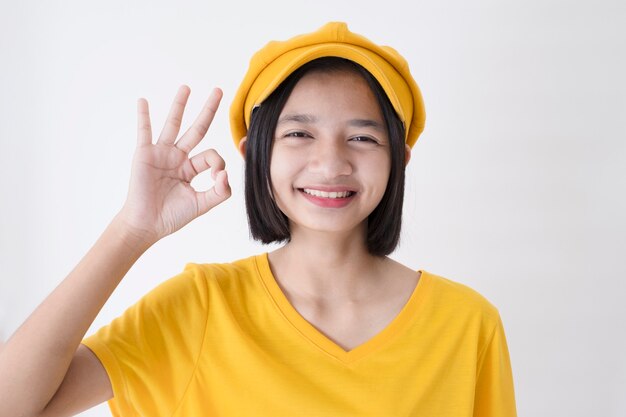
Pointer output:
x,y
329,158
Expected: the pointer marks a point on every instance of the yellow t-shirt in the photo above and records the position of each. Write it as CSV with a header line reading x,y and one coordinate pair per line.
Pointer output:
x,y
223,340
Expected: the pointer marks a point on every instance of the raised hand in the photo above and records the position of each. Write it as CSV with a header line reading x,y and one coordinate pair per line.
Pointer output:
x,y
160,198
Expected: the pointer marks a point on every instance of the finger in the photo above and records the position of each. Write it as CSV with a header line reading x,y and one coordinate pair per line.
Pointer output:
x,y
175,117
144,130
222,187
205,160
200,126
217,194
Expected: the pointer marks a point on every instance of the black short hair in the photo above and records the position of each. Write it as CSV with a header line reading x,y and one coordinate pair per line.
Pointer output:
x,y
267,222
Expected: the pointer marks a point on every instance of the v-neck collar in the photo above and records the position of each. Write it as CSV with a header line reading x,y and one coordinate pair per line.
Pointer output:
x,y
402,320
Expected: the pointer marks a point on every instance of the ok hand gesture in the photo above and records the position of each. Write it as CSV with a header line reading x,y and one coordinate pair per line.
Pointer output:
x,y
160,198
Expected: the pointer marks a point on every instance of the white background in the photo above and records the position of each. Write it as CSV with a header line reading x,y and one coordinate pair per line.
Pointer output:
x,y
516,188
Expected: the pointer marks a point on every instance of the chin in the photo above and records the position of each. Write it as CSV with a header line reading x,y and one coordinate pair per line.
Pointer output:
x,y
331,228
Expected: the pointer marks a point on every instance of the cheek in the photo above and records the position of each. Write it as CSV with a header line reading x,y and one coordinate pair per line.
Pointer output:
x,y
379,170
280,185
381,188
281,173
284,166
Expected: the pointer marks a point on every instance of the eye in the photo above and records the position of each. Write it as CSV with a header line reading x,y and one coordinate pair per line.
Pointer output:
x,y
297,134
364,139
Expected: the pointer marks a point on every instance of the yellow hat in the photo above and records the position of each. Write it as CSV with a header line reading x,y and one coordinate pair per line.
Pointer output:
x,y
272,64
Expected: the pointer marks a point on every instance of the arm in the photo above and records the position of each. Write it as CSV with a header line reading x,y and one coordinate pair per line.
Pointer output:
x,y
35,360
43,371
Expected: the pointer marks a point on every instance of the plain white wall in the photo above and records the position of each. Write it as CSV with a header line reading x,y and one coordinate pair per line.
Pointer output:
x,y
516,188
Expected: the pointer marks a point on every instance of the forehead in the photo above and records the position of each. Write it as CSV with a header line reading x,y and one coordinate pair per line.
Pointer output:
x,y
334,93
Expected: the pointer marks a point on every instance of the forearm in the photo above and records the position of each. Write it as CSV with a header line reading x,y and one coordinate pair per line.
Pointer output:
x,y
35,360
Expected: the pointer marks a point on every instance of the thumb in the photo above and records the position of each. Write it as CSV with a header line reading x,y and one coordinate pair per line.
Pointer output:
x,y
217,194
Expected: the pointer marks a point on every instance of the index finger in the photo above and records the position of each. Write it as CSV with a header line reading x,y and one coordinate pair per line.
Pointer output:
x,y
200,126
175,117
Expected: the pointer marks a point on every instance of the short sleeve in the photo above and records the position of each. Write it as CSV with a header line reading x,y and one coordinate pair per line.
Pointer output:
x,y
494,393
151,350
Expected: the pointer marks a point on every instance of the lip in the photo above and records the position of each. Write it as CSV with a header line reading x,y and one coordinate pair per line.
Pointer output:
x,y
328,188
328,202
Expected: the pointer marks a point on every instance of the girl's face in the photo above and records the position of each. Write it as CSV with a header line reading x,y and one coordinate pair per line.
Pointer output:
x,y
330,159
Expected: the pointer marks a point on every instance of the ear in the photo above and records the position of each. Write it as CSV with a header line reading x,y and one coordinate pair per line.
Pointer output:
x,y
242,146
407,154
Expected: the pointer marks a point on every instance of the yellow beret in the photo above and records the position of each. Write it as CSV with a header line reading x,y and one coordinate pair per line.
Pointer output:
x,y
273,63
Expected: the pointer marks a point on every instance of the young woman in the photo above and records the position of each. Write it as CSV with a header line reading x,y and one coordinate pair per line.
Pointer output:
x,y
326,325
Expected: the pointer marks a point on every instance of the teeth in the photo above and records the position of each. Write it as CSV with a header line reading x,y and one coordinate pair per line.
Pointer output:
x,y
325,194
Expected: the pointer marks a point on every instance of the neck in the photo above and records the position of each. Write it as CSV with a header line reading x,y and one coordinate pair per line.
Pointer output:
x,y
327,266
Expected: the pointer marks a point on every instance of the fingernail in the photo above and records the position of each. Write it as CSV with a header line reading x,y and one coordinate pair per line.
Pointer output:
x,y
215,93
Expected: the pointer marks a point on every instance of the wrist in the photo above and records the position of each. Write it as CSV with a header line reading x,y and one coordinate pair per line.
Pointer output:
x,y
136,240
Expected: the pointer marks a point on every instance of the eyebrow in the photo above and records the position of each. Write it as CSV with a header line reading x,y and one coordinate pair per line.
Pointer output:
x,y
298,118
310,119
366,123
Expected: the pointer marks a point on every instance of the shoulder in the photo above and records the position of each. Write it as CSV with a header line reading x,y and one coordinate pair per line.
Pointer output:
x,y
197,279
451,295
224,275
241,267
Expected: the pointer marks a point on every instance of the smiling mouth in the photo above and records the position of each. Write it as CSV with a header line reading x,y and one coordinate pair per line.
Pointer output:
x,y
328,194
